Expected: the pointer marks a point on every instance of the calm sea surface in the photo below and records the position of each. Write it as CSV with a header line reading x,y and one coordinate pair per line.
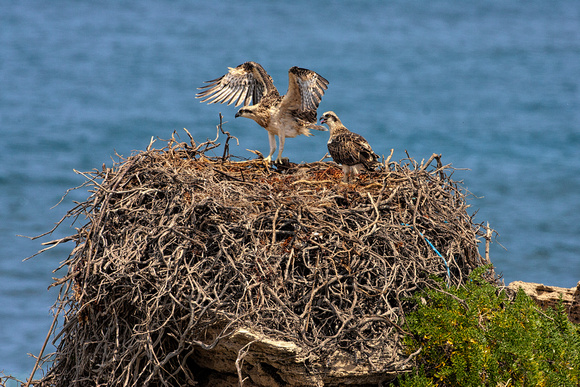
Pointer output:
x,y
493,86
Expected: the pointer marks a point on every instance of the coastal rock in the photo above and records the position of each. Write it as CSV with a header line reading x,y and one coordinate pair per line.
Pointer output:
x,y
268,362
549,296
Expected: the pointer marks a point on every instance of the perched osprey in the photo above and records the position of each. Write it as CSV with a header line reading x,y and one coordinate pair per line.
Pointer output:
x,y
282,116
349,149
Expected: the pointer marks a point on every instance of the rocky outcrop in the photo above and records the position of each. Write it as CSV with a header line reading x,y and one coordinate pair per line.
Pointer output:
x,y
549,296
262,361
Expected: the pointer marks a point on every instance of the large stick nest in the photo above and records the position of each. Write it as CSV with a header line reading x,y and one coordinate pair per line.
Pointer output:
x,y
182,252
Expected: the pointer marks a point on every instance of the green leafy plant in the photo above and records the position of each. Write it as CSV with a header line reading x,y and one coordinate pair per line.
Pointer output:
x,y
477,335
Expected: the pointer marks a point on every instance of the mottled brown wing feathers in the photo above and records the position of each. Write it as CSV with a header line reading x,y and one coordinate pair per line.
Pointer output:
x,y
305,91
350,149
245,84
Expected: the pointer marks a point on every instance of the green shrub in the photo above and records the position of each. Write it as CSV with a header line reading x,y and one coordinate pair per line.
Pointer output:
x,y
476,336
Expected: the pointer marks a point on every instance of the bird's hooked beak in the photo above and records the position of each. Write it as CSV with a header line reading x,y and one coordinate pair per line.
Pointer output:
x,y
322,120
237,114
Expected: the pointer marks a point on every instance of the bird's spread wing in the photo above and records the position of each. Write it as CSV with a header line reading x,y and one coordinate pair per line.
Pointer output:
x,y
350,149
245,84
305,90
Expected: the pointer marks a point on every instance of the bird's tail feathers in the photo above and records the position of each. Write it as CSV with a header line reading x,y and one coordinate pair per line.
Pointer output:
x,y
371,162
318,127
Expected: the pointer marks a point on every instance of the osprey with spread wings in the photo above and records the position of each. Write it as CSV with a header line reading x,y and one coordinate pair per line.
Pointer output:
x,y
283,116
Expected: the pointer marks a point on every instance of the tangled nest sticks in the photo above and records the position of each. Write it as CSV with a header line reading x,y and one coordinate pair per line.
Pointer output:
x,y
178,244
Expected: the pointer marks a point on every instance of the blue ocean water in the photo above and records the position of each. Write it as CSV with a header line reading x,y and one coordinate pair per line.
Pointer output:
x,y
493,86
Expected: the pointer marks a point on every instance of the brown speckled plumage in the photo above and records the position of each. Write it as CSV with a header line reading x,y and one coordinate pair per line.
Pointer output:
x,y
349,149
